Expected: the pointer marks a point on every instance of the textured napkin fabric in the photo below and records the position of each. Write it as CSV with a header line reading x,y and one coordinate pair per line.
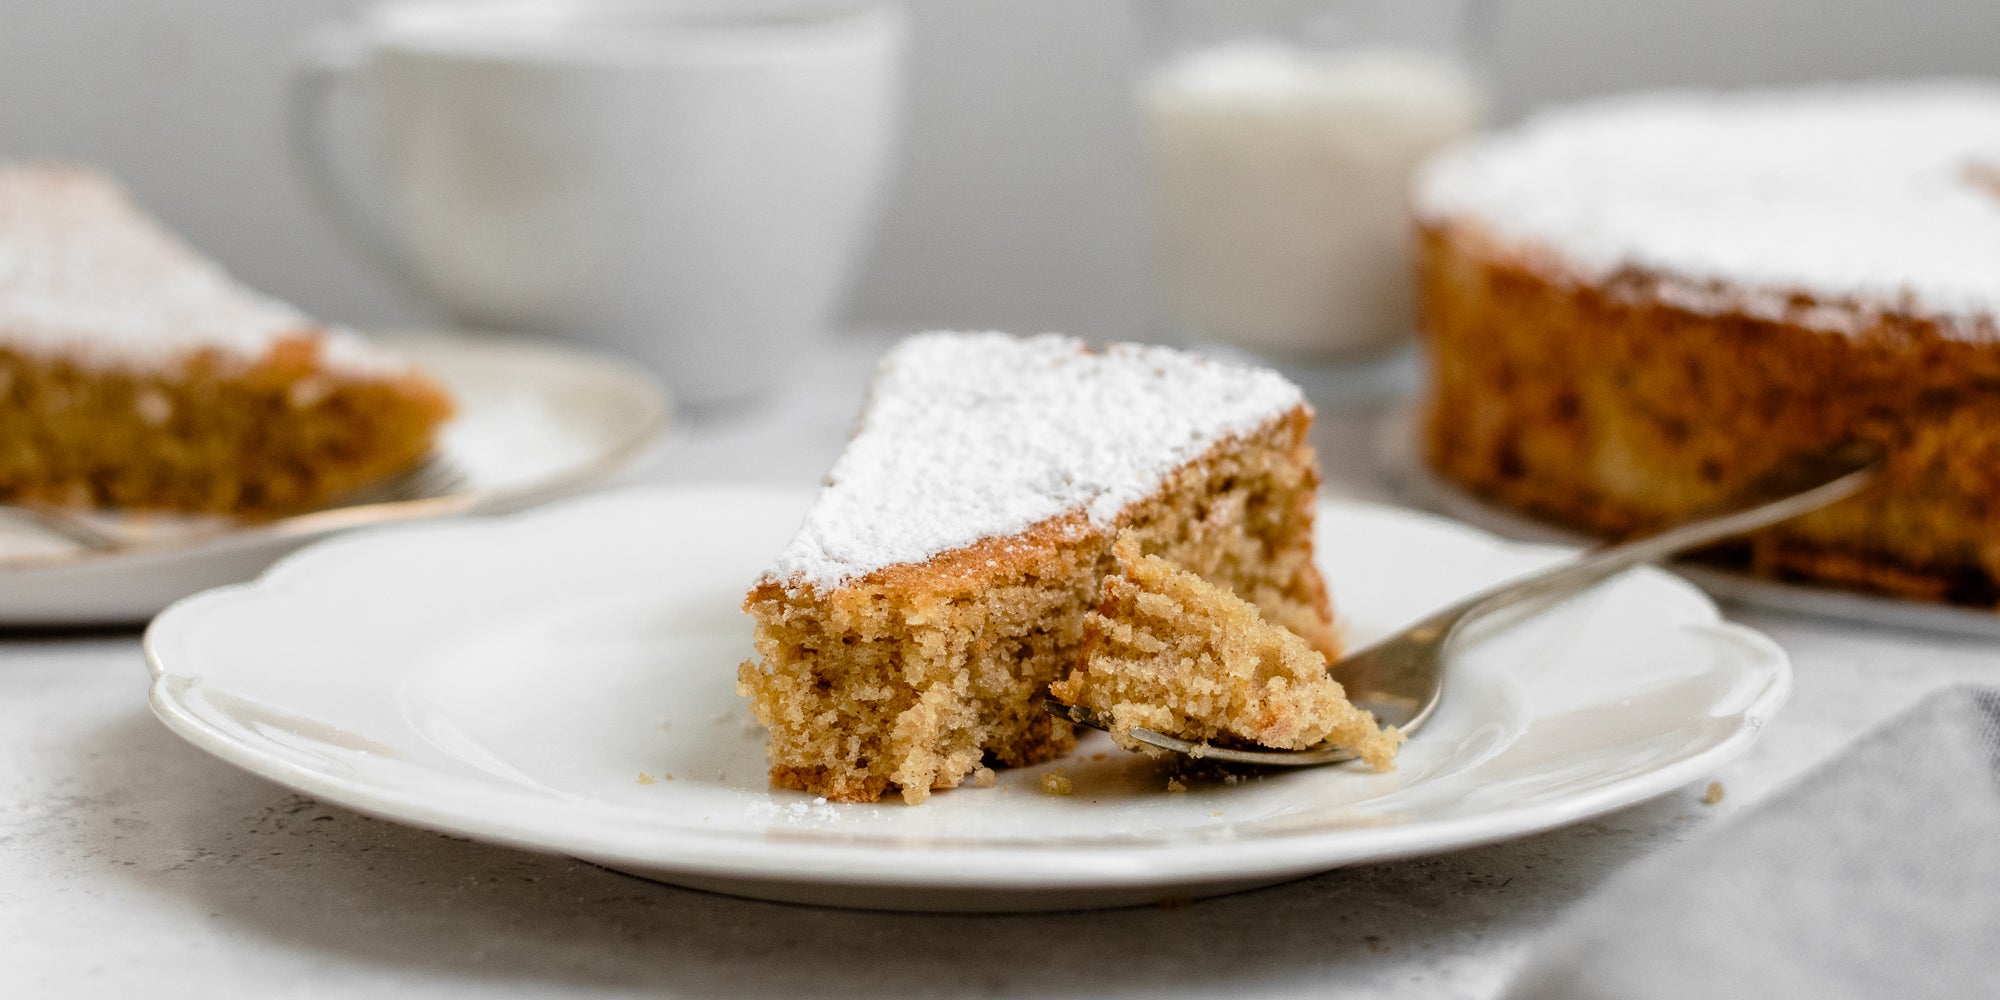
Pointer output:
x,y
1876,875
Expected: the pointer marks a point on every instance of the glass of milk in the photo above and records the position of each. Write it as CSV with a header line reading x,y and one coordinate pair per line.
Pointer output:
x,y
1281,136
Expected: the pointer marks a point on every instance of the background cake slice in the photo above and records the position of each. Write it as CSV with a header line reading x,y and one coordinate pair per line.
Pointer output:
x,y
1171,652
136,374
940,581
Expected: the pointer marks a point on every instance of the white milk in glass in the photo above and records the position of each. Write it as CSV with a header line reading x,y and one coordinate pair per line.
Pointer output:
x,y
1281,176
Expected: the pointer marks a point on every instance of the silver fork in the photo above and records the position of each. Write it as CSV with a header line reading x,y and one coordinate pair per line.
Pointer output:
x,y
436,475
1401,678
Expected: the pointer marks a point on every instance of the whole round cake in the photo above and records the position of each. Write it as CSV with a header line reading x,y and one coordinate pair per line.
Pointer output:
x,y
1635,305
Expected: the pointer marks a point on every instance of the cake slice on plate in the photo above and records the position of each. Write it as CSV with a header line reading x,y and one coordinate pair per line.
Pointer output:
x,y
136,374
940,581
1171,652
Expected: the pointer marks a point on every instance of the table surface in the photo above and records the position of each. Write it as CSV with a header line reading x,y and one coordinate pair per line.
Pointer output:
x,y
129,861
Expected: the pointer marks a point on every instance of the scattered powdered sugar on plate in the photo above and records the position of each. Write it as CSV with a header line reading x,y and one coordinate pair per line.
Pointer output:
x,y
792,812
1887,194
972,435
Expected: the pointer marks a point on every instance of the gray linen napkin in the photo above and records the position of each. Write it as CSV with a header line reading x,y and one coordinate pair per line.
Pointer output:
x,y
1876,875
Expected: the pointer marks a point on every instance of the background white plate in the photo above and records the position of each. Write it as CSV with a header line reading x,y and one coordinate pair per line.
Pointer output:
x,y
1396,456
535,421
511,679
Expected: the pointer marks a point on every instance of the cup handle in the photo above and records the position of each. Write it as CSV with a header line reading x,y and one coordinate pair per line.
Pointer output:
x,y
326,59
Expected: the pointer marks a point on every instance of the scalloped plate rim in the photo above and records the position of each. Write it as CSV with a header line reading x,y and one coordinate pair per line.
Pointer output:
x,y
709,855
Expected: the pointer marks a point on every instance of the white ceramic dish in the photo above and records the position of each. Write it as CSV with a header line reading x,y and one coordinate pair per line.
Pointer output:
x,y
511,679
1413,481
535,422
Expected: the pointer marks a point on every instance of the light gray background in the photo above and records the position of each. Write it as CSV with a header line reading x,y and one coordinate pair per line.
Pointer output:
x,y
1018,205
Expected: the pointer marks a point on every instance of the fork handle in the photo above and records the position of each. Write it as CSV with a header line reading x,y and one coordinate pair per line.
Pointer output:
x,y
1796,486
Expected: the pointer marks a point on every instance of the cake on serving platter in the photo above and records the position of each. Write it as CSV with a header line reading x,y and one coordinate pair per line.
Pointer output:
x,y
1171,652
135,374
1635,304
940,580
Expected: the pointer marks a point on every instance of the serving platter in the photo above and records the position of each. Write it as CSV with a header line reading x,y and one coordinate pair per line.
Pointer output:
x,y
1396,454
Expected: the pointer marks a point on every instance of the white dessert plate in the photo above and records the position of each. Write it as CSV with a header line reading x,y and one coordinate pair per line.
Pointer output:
x,y
1396,452
535,421
562,680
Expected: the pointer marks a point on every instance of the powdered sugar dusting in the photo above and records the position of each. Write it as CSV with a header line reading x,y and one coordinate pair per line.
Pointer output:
x,y
1877,194
972,435
84,273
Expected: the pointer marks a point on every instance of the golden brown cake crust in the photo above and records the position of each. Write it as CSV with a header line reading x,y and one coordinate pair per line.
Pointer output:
x,y
1607,407
912,677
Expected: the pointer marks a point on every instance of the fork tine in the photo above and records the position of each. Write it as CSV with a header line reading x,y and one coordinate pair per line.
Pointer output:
x,y
1324,754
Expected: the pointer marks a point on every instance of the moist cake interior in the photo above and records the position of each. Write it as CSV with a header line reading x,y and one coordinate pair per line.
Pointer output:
x,y
1171,652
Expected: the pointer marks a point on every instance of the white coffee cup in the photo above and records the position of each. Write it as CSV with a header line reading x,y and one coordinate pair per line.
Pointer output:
x,y
689,182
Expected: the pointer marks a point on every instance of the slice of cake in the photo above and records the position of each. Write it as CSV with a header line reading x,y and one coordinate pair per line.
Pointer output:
x,y
136,374
1171,652
940,581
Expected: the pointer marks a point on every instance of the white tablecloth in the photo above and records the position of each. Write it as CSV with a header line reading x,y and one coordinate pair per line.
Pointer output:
x,y
133,865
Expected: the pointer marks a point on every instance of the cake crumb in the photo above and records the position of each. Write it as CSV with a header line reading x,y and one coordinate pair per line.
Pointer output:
x,y
984,778
667,776
1713,795
1174,785
1174,902
1057,784
1982,176
1213,813
645,779
1097,756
